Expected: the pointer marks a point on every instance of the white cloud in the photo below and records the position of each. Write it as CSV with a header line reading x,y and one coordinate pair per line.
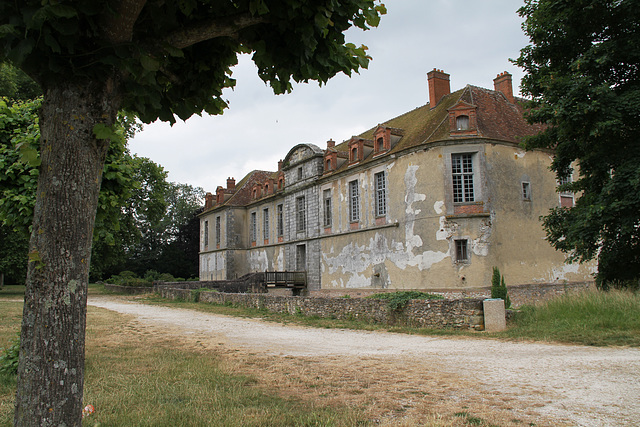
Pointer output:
x,y
469,39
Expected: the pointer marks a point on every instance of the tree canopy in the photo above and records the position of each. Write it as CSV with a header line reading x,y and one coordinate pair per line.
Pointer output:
x,y
583,76
158,59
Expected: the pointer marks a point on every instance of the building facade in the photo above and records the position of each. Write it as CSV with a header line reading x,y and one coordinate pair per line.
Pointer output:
x,y
432,199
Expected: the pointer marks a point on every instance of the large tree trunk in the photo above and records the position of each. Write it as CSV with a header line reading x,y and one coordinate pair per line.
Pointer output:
x,y
51,367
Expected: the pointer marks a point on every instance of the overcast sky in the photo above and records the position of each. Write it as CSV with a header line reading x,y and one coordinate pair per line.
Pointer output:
x,y
472,40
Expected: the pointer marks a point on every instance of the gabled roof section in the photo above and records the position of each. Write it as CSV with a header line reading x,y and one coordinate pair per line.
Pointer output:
x,y
243,189
302,152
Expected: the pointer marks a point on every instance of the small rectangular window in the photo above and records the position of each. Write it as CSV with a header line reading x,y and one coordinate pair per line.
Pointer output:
x,y
327,207
381,194
301,214
299,173
566,196
526,191
217,230
252,226
462,176
265,224
461,250
206,233
354,201
280,220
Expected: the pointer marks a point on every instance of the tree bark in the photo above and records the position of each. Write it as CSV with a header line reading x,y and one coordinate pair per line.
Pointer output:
x,y
51,366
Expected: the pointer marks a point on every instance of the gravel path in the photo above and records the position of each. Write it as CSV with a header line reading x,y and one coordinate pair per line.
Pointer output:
x,y
586,386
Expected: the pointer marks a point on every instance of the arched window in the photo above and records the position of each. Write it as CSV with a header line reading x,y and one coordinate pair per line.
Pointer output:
x,y
380,144
462,122
354,154
328,167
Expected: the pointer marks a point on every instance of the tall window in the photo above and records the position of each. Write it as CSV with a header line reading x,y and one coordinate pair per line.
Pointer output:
x,y
354,201
252,227
206,233
280,220
327,207
461,250
217,230
265,224
301,214
462,174
299,173
380,144
381,193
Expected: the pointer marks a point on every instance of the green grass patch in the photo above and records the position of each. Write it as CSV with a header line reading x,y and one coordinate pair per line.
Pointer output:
x,y
12,292
398,300
134,378
592,318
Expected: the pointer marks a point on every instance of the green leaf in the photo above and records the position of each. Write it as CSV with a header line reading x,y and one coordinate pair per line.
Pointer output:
x,y
63,11
149,63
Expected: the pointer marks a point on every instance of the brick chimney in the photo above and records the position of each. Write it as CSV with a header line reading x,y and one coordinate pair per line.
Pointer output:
x,y
331,143
231,183
208,201
438,86
503,84
279,165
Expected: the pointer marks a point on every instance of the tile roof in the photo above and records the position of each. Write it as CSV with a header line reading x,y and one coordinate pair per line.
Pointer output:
x,y
497,119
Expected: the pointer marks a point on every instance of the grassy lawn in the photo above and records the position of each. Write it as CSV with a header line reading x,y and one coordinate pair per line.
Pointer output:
x,y
142,379
133,378
588,318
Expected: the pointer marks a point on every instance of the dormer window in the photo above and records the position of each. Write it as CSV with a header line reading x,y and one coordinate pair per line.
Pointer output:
x,y
281,182
266,188
462,119
255,193
462,122
354,154
379,145
328,165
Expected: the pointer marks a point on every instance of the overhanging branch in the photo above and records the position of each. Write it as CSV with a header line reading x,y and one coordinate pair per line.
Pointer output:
x,y
210,29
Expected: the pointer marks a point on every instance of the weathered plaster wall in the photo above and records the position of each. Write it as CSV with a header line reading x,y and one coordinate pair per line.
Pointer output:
x,y
503,231
519,247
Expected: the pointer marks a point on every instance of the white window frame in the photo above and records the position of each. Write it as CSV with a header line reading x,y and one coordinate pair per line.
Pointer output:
x,y
380,184
462,177
354,201
253,227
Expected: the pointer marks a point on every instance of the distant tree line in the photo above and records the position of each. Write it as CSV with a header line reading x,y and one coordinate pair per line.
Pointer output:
x,y
144,223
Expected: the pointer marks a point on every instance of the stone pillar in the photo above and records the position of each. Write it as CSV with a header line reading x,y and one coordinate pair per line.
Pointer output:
x,y
495,319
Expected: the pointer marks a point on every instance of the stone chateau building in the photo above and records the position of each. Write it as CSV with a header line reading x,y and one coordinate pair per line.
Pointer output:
x,y
432,199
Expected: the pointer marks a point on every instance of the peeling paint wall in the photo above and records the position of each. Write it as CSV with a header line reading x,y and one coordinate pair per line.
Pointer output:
x,y
418,243
420,251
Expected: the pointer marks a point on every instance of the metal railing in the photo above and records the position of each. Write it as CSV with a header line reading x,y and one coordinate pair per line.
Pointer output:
x,y
288,279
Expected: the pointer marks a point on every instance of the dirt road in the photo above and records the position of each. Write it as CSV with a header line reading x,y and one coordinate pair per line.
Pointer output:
x,y
408,380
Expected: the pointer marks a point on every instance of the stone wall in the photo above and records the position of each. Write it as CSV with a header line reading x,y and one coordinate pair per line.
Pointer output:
x,y
458,313
519,295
